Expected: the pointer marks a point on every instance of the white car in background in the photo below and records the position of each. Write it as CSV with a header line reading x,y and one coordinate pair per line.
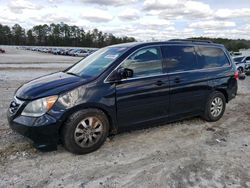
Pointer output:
x,y
81,53
242,63
247,62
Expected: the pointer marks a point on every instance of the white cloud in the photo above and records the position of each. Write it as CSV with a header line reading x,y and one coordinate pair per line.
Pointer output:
x,y
51,18
150,19
55,1
162,4
170,9
212,24
189,30
196,8
223,13
233,33
129,14
232,13
9,20
110,2
247,28
153,22
175,9
17,6
96,15
142,32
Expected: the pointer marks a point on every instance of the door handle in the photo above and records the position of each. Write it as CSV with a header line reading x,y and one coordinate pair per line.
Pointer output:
x,y
177,80
159,83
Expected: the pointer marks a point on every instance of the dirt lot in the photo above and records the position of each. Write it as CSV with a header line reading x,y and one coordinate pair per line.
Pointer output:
x,y
190,153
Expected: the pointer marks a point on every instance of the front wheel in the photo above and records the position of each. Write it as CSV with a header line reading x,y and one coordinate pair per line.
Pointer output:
x,y
215,106
85,131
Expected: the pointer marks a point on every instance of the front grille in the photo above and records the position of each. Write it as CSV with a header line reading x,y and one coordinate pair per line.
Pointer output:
x,y
15,105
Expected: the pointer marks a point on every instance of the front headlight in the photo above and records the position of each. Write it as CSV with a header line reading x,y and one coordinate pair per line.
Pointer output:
x,y
39,107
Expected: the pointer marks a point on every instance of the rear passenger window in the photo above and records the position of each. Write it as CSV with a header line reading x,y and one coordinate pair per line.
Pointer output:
x,y
180,58
209,57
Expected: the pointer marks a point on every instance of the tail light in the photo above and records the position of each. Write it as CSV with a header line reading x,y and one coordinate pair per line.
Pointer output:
x,y
236,75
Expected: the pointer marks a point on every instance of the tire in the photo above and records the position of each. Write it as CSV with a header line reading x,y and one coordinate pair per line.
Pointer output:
x,y
216,101
79,135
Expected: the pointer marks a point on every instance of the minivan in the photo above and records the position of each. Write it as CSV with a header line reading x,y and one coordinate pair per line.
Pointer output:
x,y
122,87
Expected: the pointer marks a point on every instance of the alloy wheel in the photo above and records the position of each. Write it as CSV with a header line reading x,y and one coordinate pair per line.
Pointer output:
x,y
88,132
216,107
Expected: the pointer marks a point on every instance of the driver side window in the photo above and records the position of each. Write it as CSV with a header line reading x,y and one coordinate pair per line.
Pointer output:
x,y
144,62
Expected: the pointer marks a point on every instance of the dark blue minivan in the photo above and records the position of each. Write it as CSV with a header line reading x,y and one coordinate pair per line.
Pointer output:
x,y
123,87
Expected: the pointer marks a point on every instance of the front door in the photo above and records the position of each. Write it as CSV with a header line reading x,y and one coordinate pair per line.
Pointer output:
x,y
144,97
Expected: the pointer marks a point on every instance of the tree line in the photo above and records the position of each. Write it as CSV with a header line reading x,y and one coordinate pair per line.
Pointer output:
x,y
58,35
62,34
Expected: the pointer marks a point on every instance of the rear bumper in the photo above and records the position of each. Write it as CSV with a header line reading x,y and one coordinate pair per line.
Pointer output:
x,y
43,131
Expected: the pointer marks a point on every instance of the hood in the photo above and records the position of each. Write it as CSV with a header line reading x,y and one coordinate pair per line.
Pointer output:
x,y
52,84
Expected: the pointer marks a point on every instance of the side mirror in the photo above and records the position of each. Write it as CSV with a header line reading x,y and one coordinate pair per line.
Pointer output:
x,y
124,73
121,73
242,77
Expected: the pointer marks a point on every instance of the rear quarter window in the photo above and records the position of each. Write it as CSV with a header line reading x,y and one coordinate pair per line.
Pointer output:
x,y
211,57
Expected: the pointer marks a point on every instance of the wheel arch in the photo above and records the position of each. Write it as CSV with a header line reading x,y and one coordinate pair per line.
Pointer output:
x,y
110,115
224,92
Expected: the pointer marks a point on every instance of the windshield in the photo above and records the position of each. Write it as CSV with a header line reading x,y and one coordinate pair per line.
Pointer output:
x,y
96,63
238,59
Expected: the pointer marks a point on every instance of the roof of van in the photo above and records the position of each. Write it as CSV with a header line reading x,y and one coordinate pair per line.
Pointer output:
x,y
174,41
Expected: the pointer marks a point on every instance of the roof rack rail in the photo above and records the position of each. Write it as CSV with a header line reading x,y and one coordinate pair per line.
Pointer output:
x,y
191,40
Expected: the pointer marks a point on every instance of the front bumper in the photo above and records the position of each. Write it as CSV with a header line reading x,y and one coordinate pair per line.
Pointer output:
x,y
43,131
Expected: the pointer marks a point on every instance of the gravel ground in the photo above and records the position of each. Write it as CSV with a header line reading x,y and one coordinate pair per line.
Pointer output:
x,y
190,153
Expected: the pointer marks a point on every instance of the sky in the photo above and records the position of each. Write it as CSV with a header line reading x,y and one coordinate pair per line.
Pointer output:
x,y
143,19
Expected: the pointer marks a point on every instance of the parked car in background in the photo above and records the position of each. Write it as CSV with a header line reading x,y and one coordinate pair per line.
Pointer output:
x,y
71,52
242,63
2,50
247,62
235,53
81,53
55,51
45,50
63,51
123,87
77,51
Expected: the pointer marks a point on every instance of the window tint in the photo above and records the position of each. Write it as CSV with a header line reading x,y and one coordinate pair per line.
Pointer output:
x,y
209,57
145,62
248,58
180,58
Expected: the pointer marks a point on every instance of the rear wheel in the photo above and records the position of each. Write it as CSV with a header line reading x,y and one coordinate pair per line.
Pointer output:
x,y
215,106
85,131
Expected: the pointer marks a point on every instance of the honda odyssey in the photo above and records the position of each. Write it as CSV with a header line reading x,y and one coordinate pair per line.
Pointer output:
x,y
123,87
